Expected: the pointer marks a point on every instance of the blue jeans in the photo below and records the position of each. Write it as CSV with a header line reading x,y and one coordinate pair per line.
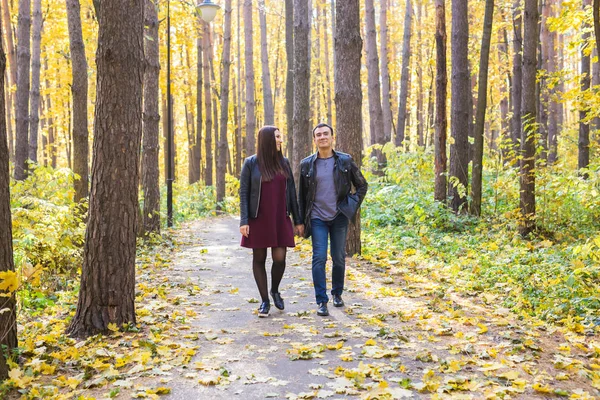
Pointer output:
x,y
336,230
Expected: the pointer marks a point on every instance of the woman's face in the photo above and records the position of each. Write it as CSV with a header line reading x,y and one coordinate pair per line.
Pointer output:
x,y
278,139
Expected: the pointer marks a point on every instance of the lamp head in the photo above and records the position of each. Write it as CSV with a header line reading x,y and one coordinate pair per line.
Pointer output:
x,y
208,10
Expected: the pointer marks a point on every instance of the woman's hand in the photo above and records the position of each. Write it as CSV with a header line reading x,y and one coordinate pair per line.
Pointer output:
x,y
245,230
300,230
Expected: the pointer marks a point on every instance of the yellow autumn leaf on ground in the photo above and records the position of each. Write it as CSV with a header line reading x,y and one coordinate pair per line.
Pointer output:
x,y
370,342
482,329
539,387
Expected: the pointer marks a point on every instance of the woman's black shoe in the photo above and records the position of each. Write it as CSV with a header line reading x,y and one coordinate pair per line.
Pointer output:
x,y
263,310
277,300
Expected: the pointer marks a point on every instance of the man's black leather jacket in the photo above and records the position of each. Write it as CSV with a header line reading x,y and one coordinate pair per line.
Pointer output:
x,y
250,184
345,175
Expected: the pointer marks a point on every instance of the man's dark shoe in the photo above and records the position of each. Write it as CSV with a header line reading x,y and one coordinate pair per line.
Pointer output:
x,y
337,300
322,310
277,300
263,310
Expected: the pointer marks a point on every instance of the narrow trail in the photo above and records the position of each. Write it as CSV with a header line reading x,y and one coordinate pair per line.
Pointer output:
x,y
398,336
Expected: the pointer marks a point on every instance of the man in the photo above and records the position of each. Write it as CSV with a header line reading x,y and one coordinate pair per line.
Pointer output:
x,y
327,204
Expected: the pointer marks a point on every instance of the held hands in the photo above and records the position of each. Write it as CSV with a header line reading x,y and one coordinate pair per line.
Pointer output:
x,y
245,230
299,230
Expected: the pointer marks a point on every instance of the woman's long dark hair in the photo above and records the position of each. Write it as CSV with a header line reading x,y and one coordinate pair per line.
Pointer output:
x,y
270,160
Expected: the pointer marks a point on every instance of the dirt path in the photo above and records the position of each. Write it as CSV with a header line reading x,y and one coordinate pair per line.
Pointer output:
x,y
397,337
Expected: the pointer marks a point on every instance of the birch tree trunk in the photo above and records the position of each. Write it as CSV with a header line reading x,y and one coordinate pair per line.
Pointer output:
x,y
348,95
222,146
266,73
249,66
79,91
528,111
484,58
403,100
23,86
441,84
110,241
150,141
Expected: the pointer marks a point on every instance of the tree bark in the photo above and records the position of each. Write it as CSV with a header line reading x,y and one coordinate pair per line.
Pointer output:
x,y
517,87
34,109
11,55
223,147
79,90
327,68
441,89
385,74
266,72
107,291
289,79
250,95
375,109
461,92
596,14
302,131
23,86
504,91
404,80
348,95
528,113
8,318
238,131
484,58
542,95
52,150
583,158
207,57
150,143
197,153
419,59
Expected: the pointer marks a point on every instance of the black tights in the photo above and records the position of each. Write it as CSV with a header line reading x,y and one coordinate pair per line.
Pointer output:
x,y
259,258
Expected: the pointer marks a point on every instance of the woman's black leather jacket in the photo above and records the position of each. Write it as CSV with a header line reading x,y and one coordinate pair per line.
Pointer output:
x,y
250,185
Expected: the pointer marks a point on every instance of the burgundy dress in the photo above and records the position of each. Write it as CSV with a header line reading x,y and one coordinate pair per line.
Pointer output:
x,y
272,227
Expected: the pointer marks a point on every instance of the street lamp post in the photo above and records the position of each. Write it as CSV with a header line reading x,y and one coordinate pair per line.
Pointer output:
x,y
208,11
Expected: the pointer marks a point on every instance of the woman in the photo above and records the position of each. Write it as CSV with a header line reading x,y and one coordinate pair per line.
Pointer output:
x,y
267,198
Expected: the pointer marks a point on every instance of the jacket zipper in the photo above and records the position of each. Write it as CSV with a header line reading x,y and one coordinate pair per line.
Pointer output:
x,y
259,190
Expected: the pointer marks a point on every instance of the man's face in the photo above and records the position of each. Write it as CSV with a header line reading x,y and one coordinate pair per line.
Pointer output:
x,y
323,138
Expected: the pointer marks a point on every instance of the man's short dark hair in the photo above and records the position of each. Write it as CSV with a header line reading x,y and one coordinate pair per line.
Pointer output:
x,y
322,125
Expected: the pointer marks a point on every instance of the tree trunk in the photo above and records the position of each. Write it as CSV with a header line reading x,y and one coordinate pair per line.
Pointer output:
x,y
542,95
375,109
12,73
8,322
583,159
197,153
348,95
504,94
596,13
327,67
461,93
266,72
420,115
302,131
289,79
52,151
79,90
107,291
528,111
207,57
34,96
240,87
250,95
385,73
222,145
484,58
517,87
237,132
553,106
23,86
441,85
403,100
150,172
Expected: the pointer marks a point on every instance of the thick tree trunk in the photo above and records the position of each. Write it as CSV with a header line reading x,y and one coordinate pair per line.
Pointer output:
x,y
23,86
34,109
237,132
583,159
289,79
266,72
250,95
348,95
375,109
441,86
79,90
302,130
484,58
150,172
386,105
107,291
517,87
8,322
461,93
240,87
528,111
222,146
327,67
404,80
207,58
12,73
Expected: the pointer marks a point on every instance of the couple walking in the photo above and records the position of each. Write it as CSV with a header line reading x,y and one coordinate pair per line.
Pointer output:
x,y
323,209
